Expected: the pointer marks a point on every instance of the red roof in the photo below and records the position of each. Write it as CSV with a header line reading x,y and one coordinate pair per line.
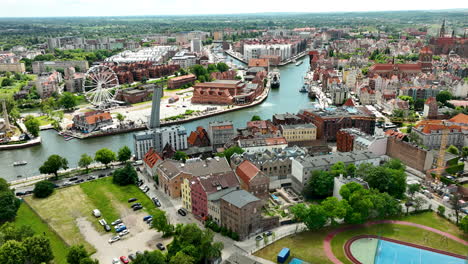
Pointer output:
x,y
460,119
94,118
349,102
395,134
259,62
430,100
426,49
199,133
151,158
247,171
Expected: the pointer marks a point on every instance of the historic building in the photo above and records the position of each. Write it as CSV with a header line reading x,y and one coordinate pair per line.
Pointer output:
x,y
177,82
253,180
91,121
226,92
299,132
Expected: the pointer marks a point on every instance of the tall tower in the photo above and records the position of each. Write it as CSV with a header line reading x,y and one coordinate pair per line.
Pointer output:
x,y
5,116
155,108
442,30
425,58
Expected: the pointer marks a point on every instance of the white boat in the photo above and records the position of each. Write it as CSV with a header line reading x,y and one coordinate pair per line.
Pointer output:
x,y
299,63
20,163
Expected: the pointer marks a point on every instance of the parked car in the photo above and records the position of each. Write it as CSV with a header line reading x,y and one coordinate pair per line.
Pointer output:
x,y
268,233
120,229
116,222
97,213
146,189
156,201
147,217
131,200
101,175
103,222
114,239
116,261
135,204
123,233
80,181
136,208
160,246
182,212
132,256
139,253
19,193
107,228
124,259
90,178
28,192
149,221
143,187
258,238
73,179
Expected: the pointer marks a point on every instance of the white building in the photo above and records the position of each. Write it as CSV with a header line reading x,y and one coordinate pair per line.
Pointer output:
x,y
185,59
196,45
158,138
254,51
262,144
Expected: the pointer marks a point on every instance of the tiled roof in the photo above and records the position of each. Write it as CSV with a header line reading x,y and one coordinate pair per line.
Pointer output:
x,y
459,119
259,62
247,171
395,134
349,102
218,181
151,158
97,117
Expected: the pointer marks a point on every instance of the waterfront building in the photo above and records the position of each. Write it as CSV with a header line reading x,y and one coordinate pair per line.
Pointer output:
x,y
262,63
133,95
158,138
226,92
302,167
91,121
150,160
199,138
299,132
330,120
177,82
47,66
220,133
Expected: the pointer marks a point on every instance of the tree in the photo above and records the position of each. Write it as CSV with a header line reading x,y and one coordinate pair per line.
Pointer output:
x,y
443,97
9,231
4,185
105,156
125,176
180,155
230,151
419,104
38,249
441,210
335,209
456,205
161,223
181,258
68,100
464,224
7,82
53,164
12,252
386,179
9,204
222,67
464,152
124,154
32,125
256,118
120,117
153,257
43,189
320,184
313,216
85,161
413,188
453,150
76,254
89,260
351,170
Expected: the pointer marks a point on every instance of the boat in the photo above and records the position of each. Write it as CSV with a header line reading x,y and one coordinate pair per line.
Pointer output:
x,y
19,176
20,163
275,81
299,63
304,88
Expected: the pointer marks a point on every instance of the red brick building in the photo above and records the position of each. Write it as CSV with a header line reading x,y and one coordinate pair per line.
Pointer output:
x,y
387,70
263,127
264,63
344,141
227,75
150,160
177,82
253,180
224,92
199,138
201,187
136,71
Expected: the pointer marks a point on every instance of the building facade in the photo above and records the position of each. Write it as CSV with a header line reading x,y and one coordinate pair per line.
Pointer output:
x,y
220,133
300,132
177,82
253,180
158,138
92,121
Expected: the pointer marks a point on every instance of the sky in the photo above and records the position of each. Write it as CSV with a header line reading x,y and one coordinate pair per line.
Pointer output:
x,y
54,8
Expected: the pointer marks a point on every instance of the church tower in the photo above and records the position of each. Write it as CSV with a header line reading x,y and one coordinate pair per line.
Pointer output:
x,y
442,30
425,58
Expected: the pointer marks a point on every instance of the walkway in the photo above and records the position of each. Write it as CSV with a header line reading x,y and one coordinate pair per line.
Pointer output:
x,y
327,241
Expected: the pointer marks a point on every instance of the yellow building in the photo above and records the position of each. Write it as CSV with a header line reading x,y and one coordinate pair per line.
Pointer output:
x,y
218,35
299,132
186,195
12,67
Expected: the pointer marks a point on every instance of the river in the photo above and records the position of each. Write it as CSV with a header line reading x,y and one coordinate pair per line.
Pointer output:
x,y
285,99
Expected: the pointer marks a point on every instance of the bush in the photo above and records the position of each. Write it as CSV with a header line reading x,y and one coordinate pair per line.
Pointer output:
x,y
125,176
441,210
43,189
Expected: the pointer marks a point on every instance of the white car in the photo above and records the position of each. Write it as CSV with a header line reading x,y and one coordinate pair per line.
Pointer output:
x,y
103,222
114,239
115,261
123,233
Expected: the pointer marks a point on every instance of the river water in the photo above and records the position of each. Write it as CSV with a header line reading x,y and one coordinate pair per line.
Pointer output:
x,y
285,99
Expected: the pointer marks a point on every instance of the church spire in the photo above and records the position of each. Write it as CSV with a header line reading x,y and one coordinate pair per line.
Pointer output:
x,y
442,30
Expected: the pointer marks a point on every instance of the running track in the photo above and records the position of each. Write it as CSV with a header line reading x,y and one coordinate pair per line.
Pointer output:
x,y
329,237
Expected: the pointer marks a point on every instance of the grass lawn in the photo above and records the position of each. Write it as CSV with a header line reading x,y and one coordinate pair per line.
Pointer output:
x,y
27,217
44,120
465,185
308,245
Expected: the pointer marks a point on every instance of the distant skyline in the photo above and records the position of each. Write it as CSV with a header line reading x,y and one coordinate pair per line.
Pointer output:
x,y
60,8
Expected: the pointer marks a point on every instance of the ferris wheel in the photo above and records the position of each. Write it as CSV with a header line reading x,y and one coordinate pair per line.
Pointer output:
x,y
99,85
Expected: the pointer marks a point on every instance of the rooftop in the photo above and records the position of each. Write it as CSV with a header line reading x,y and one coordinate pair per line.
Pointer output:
x,y
327,160
239,198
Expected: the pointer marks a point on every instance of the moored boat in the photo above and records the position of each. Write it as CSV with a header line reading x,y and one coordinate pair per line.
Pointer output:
x,y
20,163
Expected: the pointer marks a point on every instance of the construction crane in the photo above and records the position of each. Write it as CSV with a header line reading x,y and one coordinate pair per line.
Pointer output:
x,y
441,158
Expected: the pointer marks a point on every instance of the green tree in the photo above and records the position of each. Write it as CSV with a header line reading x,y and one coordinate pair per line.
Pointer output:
x,y
335,209
125,176
181,258
9,231
68,100
153,257
12,252
32,125
53,164
89,260
7,82
313,216
120,117
124,154
464,224
230,151
43,189
464,152
453,150
222,67
413,188
180,155
105,156
4,185
419,104
320,184
85,161
351,170
444,96
38,249
76,254
9,204
256,118
441,210
161,223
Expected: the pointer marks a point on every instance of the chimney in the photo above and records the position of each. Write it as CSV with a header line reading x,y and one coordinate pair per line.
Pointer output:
x,y
155,108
